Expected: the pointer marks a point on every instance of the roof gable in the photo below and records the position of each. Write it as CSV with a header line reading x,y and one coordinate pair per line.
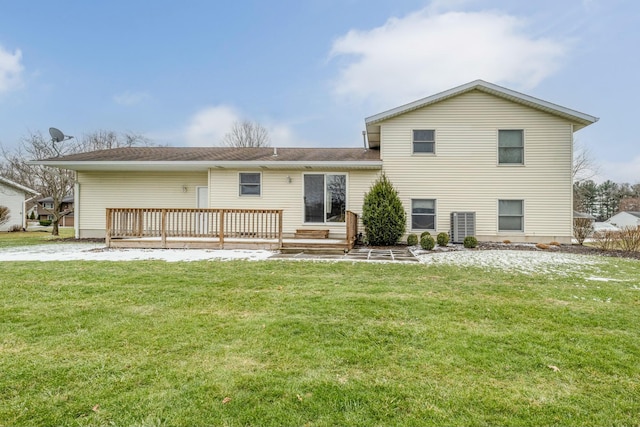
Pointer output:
x,y
579,119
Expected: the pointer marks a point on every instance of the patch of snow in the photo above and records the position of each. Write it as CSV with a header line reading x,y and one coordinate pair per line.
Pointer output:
x,y
528,262
98,252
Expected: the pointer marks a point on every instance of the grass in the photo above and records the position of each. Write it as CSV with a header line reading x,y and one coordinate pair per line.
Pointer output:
x,y
303,343
29,238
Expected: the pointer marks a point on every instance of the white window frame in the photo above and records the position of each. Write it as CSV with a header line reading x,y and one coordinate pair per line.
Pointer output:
x,y
435,214
521,216
346,196
240,184
413,142
522,132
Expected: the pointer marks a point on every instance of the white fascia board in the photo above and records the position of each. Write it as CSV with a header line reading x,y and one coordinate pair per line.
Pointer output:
x,y
582,118
203,165
18,186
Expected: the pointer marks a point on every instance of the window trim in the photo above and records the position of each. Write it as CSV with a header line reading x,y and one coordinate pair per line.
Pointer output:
x,y
522,131
346,198
521,231
240,184
413,143
434,214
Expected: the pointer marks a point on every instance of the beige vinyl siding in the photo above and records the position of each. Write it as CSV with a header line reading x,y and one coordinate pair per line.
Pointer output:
x,y
101,190
279,193
464,174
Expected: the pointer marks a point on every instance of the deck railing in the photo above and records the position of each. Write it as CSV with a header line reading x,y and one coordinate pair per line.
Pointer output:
x,y
221,224
352,228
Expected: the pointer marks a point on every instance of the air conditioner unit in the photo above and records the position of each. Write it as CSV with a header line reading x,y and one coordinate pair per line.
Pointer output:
x,y
463,224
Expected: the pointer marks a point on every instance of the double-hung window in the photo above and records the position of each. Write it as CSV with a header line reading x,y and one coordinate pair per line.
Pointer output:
x,y
510,215
423,214
511,147
250,183
424,141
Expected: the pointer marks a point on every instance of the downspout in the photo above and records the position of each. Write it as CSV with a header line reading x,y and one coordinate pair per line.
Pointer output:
x,y
76,209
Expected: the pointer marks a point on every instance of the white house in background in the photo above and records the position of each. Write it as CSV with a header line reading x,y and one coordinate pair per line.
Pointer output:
x,y
13,196
491,161
625,219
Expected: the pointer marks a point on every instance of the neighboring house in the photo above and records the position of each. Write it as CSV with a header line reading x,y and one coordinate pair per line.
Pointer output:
x,y
625,220
479,148
13,196
601,227
44,210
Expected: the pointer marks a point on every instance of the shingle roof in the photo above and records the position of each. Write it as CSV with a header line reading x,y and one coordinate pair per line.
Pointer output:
x,y
201,158
186,154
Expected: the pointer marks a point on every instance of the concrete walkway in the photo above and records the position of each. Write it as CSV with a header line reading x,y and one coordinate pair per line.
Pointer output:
x,y
358,254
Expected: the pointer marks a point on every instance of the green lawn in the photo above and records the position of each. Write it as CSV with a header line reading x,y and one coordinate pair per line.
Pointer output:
x,y
28,238
304,343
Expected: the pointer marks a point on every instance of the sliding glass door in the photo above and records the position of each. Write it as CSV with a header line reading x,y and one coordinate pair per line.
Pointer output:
x,y
325,197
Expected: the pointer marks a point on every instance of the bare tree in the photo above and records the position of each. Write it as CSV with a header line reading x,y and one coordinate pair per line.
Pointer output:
x,y
107,139
584,166
53,182
4,215
247,134
629,204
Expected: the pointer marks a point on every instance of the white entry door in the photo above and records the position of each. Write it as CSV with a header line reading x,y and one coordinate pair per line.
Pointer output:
x,y
202,219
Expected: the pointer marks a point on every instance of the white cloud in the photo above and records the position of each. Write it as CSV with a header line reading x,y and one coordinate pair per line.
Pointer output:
x,y
428,51
10,69
130,98
209,125
620,172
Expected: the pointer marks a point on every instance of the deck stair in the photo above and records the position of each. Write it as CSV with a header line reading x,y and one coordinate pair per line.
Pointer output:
x,y
314,241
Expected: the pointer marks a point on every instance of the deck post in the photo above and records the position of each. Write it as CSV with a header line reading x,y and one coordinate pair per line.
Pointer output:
x,y
280,228
163,228
107,237
221,229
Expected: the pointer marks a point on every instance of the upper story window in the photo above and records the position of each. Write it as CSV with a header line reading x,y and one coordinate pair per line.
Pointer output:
x,y
511,147
249,183
424,141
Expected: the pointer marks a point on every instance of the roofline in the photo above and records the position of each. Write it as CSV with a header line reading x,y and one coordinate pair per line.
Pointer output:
x,y
205,164
18,186
582,118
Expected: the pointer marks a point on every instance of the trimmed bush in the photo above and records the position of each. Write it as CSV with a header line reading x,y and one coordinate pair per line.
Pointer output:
x,y
412,240
542,246
554,243
506,242
427,243
15,228
442,239
45,222
425,233
383,215
470,242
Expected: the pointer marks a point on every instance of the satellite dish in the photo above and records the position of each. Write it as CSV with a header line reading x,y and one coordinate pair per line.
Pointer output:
x,y
56,135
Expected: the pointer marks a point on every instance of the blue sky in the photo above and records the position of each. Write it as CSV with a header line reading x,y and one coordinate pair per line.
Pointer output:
x,y
310,71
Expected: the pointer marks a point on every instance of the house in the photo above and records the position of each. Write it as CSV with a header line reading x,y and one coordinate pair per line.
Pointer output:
x,y
490,161
13,196
44,210
625,220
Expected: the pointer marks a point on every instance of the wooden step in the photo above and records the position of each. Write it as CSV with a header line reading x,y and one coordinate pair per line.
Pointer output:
x,y
311,234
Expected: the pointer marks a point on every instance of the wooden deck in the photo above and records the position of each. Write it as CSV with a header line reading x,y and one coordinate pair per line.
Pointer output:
x,y
159,228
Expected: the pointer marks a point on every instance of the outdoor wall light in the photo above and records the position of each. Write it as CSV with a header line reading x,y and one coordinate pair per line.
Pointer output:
x,y
184,189
289,179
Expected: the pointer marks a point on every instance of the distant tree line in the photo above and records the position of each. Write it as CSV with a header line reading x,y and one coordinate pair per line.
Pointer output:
x,y
606,199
